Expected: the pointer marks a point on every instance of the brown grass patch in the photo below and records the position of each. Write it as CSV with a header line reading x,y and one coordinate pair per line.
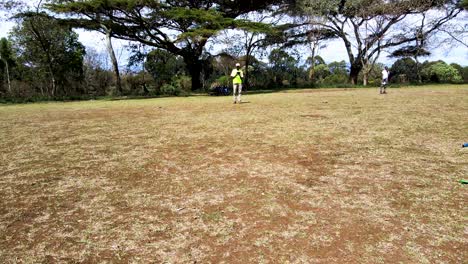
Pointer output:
x,y
334,177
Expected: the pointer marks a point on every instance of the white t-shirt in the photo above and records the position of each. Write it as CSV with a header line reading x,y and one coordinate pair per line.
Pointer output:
x,y
384,74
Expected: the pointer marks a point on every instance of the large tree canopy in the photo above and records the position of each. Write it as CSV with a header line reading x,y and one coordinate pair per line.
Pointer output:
x,y
367,27
50,49
180,27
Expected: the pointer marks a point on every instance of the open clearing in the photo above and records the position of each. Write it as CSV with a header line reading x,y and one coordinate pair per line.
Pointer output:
x,y
303,176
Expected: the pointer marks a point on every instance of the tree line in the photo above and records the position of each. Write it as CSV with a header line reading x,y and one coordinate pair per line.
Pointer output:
x,y
169,42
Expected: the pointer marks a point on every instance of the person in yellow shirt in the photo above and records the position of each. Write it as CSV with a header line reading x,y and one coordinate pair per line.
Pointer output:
x,y
237,76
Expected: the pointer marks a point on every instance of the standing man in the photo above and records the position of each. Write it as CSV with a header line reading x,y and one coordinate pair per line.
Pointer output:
x,y
237,76
383,87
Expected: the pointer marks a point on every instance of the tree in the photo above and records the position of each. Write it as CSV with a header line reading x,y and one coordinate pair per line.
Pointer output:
x,y
368,59
367,27
441,72
96,21
258,71
338,67
223,63
6,59
418,49
250,37
6,53
463,71
412,52
338,73
321,72
405,69
465,74
97,77
110,50
314,61
179,27
303,31
51,49
163,66
457,31
283,66
315,37
458,67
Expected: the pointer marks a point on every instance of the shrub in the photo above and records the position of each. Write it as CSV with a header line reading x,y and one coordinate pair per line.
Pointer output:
x,y
169,89
465,74
183,84
336,79
442,72
223,81
321,71
137,84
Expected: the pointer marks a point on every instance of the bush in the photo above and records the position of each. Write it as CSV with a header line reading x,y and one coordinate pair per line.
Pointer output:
x,y
180,85
223,81
321,71
465,74
137,84
183,84
336,79
169,89
442,72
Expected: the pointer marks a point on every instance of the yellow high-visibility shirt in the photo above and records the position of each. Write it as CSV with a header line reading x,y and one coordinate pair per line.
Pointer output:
x,y
237,75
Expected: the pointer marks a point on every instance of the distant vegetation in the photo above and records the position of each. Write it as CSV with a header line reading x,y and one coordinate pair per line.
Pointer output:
x,y
42,58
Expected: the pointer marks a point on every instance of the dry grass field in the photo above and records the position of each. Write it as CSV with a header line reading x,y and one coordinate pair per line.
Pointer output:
x,y
302,176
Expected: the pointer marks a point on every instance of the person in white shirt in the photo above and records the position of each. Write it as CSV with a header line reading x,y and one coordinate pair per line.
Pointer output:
x,y
385,74
237,76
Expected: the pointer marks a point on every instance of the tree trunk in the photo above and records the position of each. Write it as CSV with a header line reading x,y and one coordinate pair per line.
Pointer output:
x,y
312,68
365,78
194,68
314,45
354,72
115,65
418,70
52,79
7,73
246,73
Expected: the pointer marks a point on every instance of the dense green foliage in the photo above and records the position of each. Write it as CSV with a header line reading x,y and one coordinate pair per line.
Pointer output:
x,y
49,56
404,70
42,58
163,66
182,28
441,72
7,65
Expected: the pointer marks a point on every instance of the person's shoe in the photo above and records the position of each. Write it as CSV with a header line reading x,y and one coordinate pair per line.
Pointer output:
x,y
235,102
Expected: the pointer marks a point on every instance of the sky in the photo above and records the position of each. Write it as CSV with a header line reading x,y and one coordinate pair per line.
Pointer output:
x,y
334,50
